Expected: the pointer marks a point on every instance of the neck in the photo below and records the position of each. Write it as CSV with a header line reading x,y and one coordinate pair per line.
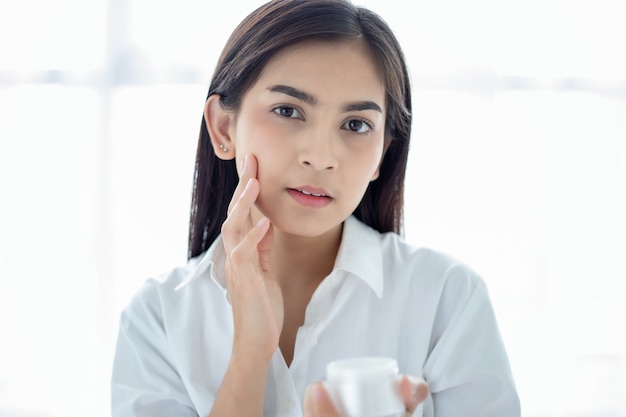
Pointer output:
x,y
298,260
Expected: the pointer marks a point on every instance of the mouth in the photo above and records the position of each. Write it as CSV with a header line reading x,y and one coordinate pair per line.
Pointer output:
x,y
305,192
310,196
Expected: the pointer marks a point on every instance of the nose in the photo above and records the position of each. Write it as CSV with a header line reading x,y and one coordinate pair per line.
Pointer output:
x,y
319,150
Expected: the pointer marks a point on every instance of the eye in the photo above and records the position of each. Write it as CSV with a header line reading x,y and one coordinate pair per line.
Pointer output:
x,y
357,126
287,112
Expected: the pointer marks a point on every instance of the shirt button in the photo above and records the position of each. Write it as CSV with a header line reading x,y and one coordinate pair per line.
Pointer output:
x,y
289,404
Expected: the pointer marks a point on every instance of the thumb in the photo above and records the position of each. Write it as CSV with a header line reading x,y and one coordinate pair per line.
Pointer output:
x,y
414,392
317,403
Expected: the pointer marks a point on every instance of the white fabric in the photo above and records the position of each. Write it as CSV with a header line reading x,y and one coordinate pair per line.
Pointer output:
x,y
383,298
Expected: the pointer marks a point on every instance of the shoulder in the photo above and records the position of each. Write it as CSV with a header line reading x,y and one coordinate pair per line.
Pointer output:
x,y
158,293
407,270
437,284
425,265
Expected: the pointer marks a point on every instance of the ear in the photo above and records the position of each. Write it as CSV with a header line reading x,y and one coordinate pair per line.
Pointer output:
x,y
220,124
382,157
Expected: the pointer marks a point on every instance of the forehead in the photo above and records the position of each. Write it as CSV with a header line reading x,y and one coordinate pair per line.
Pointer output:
x,y
326,66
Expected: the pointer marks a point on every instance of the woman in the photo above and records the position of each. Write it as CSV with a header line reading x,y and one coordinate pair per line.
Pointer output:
x,y
295,251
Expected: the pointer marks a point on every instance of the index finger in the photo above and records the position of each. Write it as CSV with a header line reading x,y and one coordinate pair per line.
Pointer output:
x,y
248,171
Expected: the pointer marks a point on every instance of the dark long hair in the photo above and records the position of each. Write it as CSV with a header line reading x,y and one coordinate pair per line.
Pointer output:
x,y
258,37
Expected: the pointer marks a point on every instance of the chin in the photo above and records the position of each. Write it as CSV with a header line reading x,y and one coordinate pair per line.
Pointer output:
x,y
305,226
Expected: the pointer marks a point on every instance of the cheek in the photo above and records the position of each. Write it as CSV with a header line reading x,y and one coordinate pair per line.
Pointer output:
x,y
252,133
258,137
369,158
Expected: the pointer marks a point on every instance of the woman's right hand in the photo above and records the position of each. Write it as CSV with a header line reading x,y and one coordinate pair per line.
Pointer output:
x,y
317,402
255,295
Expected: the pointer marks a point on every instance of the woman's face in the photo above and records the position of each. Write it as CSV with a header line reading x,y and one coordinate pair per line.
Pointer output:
x,y
315,121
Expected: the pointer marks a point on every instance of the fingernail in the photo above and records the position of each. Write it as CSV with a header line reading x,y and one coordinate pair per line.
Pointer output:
x,y
261,222
244,163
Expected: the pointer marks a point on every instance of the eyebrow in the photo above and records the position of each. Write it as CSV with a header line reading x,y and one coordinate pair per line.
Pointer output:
x,y
309,99
294,92
362,105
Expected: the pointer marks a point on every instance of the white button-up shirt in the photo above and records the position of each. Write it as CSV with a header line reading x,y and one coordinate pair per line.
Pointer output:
x,y
383,298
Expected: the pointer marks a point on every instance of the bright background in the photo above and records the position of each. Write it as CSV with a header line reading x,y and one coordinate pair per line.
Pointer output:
x,y
518,168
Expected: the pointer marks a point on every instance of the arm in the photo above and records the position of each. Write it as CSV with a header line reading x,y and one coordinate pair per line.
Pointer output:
x,y
256,301
467,368
144,380
243,388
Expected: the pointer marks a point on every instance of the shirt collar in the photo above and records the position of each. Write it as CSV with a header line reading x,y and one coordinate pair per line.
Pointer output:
x,y
215,255
360,254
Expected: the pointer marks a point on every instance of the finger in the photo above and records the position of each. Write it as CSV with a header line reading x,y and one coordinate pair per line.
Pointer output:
x,y
317,403
265,249
309,401
248,171
239,222
414,392
248,245
245,200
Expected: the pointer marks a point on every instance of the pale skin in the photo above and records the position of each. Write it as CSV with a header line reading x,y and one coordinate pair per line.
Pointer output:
x,y
308,138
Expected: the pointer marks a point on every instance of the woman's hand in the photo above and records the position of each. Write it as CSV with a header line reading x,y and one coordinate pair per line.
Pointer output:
x,y
317,403
255,296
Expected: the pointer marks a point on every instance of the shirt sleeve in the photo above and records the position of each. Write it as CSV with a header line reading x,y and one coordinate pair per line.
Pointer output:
x,y
145,382
468,370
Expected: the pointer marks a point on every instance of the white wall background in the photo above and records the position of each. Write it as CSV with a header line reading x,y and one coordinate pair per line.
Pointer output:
x,y
518,168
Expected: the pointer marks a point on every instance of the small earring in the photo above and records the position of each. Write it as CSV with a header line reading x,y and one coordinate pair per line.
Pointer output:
x,y
223,148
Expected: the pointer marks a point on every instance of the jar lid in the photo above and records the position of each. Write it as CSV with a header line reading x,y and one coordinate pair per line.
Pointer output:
x,y
356,369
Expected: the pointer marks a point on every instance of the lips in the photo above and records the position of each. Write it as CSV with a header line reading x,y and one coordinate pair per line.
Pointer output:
x,y
308,196
315,192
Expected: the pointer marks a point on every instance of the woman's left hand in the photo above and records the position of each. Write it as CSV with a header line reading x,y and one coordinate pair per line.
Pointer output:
x,y
317,403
